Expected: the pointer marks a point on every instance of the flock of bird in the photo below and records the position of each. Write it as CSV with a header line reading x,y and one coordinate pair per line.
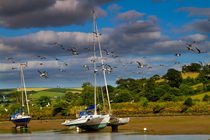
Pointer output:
x,y
104,67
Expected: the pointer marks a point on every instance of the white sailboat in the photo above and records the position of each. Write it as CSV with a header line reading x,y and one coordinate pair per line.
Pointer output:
x,y
20,118
95,121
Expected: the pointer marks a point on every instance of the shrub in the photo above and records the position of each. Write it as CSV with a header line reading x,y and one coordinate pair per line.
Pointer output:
x,y
188,102
206,98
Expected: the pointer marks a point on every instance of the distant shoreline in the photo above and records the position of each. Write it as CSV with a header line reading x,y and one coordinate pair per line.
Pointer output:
x,y
162,125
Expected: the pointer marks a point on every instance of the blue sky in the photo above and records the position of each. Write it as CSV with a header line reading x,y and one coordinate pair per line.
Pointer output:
x,y
133,29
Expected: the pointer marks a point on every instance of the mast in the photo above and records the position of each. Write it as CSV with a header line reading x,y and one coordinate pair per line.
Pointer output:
x,y
21,77
94,62
24,86
103,69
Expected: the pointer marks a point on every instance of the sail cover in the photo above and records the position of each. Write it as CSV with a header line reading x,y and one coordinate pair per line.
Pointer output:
x,y
91,107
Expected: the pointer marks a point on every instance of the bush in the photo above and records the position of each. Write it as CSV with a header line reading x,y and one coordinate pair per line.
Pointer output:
x,y
206,98
188,102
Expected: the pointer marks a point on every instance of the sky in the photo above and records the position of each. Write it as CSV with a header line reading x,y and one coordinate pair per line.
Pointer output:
x,y
148,31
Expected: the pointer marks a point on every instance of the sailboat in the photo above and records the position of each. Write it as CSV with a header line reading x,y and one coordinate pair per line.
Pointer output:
x,y
20,118
93,120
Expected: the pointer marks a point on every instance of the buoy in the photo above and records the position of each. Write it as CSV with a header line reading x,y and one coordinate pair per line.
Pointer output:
x,y
145,129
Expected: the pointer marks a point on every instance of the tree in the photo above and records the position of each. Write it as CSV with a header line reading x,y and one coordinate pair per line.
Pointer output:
x,y
62,107
43,101
194,67
174,77
122,95
206,98
188,102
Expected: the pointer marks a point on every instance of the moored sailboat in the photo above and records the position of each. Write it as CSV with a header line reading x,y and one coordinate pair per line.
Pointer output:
x,y
93,121
20,118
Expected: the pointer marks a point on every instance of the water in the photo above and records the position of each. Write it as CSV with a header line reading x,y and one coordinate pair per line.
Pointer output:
x,y
52,135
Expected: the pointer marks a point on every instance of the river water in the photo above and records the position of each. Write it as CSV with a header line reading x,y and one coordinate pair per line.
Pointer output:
x,y
52,135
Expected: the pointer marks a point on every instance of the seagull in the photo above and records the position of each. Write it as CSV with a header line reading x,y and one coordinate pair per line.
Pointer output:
x,y
86,66
42,57
139,64
57,44
62,70
190,49
74,52
191,44
138,72
65,64
177,54
149,67
10,58
114,56
109,70
107,52
199,51
43,74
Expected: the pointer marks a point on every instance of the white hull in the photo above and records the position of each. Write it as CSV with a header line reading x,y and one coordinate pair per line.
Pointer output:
x,y
90,122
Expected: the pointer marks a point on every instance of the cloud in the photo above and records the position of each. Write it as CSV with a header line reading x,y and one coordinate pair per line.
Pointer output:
x,y
39,13
200,25
131,15
114,7
194,11
196,37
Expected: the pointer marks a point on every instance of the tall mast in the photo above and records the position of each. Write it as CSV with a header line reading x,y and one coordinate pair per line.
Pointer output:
x,y
21,77
104,73
94,61
24,86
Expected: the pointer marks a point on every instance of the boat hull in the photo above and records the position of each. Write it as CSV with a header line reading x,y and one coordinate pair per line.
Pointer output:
x,y
21,121
93,127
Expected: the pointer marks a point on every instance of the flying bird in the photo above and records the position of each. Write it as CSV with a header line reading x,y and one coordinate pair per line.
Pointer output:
x,y
199,51
86,66
74,52
65,64
43,74
139,64
10,58
42,57
191,44
190,49
62,70
177,54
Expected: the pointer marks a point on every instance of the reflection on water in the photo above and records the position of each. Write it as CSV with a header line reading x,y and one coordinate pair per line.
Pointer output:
x,y
72,135
20,131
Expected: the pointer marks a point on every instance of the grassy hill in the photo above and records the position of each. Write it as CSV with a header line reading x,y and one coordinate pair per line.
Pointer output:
x,y
200,96
53,92
35,93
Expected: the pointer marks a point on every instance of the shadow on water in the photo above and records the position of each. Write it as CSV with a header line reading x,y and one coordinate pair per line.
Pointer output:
x,y
20,130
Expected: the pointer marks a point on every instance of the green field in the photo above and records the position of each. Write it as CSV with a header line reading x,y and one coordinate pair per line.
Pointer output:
x,y
200,96
35,93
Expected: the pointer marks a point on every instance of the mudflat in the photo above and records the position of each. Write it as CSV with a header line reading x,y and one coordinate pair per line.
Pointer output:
x,y
162,125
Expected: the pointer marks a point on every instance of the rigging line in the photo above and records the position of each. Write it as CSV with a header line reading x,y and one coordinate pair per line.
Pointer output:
x,y
25,91
102,62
